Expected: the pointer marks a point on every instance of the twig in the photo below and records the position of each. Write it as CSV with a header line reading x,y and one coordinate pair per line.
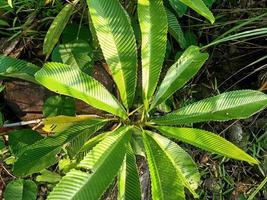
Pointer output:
x,y
23,123
7,171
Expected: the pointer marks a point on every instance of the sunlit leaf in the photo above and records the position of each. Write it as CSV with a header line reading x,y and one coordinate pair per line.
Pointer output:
x,y
180,73
48,177
164,178
207,141
154,27
187,169
227,106
71,81
61,123
117,41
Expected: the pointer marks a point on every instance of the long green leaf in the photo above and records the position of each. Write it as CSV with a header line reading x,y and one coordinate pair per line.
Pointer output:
x,y
259,187
207,141
227,106
154,28
72,82
42,154
96,171
164,178
182,71
11,67
237,36
175,29
56,28
117,41
200,7
128,180
186,168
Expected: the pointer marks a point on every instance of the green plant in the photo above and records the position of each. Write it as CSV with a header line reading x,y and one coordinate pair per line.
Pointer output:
x,y
98,158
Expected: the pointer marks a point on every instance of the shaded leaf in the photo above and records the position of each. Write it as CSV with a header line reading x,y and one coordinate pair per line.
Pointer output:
x,y
56,28
77,54
1,119
76,32
2,145
59,105
209,3
178,7
21,190
137,143
70,81
227,106
207,141
190,38
20,139
175,29
3,23
42,154
11,67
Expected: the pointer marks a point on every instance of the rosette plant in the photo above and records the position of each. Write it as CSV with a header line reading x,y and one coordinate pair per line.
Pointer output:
x,y
100,156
